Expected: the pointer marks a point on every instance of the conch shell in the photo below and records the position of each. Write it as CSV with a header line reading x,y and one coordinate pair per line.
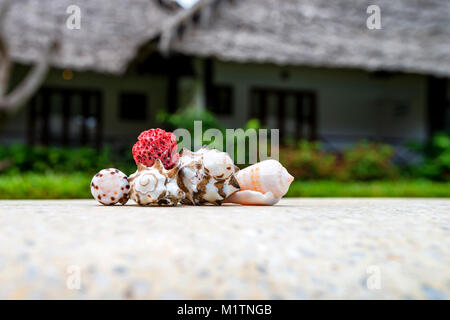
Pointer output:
x,y
206,176
263,183
155,186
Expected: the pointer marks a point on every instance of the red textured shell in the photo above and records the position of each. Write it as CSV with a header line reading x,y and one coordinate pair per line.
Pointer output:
x,y
156,144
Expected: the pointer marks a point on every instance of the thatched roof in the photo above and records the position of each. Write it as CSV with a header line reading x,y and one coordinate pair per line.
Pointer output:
x,y
110,35
415,34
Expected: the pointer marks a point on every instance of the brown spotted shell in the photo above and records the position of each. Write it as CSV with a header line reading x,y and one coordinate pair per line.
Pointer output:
x,y
110,186
155,186
206,176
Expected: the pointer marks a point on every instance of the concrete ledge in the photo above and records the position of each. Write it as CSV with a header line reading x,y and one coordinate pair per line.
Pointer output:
x,y
299,249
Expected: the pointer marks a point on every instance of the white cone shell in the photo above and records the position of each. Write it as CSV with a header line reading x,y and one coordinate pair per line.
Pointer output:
x,y
265,176
263,183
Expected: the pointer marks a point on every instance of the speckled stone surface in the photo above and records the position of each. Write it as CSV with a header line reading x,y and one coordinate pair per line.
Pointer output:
x,y
299,249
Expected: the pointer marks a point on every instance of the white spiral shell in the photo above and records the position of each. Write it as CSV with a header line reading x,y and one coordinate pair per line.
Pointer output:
x,y
206,176
263,183
155,185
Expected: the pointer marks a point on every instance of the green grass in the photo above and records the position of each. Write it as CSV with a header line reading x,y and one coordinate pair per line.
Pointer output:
x,y
45,186
76,186
401,188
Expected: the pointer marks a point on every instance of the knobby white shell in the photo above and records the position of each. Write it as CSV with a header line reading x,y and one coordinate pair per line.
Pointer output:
x,y
206,176
263,183
155,185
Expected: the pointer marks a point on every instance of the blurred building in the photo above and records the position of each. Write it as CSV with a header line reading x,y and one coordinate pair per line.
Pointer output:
x,y
313,69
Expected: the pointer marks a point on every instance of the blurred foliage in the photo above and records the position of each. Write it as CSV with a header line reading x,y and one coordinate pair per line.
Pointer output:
x,y
308,161
366,161
436,158
20,158
254,124
185,118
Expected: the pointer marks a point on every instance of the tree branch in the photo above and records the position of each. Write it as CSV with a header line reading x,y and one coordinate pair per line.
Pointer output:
x,y
5,61
14,100
11,102
5,71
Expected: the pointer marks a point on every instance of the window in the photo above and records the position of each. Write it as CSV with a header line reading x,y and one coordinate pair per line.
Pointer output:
x,y
222,100
293,112
60,116
133,106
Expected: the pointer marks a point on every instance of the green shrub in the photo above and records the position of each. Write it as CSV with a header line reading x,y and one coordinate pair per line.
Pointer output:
x,y
20,158
436,158
363,162
184,119
367,161
308,161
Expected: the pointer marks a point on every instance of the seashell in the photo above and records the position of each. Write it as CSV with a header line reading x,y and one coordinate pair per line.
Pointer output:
x,y
263,183
206,176
110,186
155,185
250,197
